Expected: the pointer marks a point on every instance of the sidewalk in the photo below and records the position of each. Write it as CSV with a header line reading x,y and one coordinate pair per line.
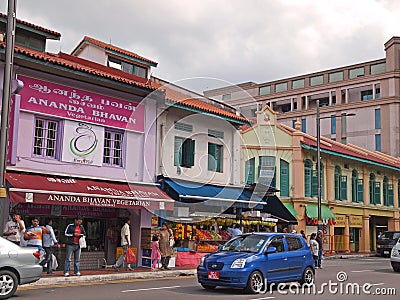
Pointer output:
x,y
109,274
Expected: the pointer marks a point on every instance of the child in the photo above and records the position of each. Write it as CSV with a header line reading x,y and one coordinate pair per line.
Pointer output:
x,y
155,252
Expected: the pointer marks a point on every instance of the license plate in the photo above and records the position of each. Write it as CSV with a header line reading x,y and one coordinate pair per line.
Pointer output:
x,y
385,252
213,275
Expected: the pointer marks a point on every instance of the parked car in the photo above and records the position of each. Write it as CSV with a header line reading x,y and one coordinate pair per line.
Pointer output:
x,y
250,260
395,257
386,241
18,265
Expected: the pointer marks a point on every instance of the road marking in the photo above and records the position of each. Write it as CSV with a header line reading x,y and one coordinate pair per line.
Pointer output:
x,y
151,289
361,271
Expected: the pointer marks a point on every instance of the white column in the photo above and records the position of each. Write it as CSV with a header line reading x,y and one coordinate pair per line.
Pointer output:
x,y
373,91
346,100
306,102
330,98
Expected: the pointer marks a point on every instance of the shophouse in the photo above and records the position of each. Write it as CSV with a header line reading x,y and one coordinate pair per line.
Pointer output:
x,y
369,89
82,140
360,188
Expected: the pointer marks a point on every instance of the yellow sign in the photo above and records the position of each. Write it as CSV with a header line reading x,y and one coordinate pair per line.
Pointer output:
x,y
356,221
340,221
3,193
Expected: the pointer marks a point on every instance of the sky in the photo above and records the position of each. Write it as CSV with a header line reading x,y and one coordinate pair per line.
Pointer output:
x,y
227,41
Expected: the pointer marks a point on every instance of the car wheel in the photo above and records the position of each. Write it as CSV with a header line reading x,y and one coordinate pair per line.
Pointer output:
x,y
8,284
208,287
396,267
255,283
308,276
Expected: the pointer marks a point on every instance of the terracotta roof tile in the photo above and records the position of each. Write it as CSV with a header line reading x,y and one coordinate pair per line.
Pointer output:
x,y
113,48
40,28
182,99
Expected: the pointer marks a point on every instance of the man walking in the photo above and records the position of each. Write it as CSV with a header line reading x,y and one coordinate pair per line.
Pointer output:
x,y
13,229
73,232
49,240
125,243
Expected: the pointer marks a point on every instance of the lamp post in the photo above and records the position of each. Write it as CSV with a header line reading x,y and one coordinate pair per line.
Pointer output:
x,y
318,117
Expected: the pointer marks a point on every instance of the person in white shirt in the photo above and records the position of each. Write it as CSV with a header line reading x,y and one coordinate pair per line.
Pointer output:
x,y
14,229
49,240
125,243
235,231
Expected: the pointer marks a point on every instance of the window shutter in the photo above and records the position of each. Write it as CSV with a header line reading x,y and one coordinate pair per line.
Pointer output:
x,y
377,193
188,153
307,182
211,157
249,171
284,179
354,189
314,184
390,195
178,151
343,187
218,158
337,186
360,190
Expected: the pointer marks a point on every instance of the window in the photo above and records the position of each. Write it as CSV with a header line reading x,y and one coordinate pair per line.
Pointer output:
x,y
215,156
377,93
30,42
264,90
293,243
378,144
338,174
374,190
216,134
226,97
127,67
378,118
45,138
277,242
315,80
284,178
357,72
266,170
294,124
249,171
307,177
337,76
183,126
333,124
388,195
286,108
366,95
297,84
184,152
113,148
378,68
281,87
303,125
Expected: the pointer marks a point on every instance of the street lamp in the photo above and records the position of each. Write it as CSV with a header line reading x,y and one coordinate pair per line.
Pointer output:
x,y
319,160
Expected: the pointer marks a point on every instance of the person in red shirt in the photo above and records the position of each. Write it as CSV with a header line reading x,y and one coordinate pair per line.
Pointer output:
x,y
73,232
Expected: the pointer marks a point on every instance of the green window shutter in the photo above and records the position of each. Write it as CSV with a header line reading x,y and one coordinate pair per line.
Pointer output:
x,y
354,189
377,193
218,157
284,178
360,190
390,195
372,191
249,171
215,157
178,151
188,153
343,187
314,184
337,186
307,182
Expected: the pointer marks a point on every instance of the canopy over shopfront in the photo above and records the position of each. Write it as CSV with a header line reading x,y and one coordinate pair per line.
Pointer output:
x,y
312,214
60,190
278,210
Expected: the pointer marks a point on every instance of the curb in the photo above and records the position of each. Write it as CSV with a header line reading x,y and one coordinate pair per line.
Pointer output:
x,y
348,256
60,280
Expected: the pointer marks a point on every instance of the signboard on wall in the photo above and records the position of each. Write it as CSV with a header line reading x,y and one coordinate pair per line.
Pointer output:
x,y
75,104
356,221
83,143
340,221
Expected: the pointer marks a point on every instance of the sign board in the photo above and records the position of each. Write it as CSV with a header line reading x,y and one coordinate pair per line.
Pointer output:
x,y
340,221
356,221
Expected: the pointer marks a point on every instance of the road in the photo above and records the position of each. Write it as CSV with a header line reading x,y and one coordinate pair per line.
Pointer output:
x,y
370,276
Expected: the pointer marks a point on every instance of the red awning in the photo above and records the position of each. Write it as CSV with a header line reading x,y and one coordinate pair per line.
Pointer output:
x,y
49,189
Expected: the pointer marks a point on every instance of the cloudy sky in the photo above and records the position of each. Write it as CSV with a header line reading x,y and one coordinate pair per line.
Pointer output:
x,y
232,41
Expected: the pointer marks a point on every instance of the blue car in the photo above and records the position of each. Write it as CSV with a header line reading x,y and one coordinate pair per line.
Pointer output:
x,y
251,260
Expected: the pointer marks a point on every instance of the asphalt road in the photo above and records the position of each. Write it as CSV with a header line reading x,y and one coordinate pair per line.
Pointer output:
x,y
363,278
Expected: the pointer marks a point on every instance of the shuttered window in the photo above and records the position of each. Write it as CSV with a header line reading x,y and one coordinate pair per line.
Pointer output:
x,y
249,171
284,178
307,178
343,187
360,190
184,152
215,156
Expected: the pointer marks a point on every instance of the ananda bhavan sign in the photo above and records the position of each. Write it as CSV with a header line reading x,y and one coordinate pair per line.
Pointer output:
x,y
75,104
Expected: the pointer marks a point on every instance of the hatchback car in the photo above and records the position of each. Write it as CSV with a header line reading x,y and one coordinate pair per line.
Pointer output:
x,y
395,257
18,265
386,241
251,260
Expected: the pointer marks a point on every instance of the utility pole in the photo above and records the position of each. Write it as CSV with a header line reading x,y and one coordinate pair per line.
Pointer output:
x,y
5,105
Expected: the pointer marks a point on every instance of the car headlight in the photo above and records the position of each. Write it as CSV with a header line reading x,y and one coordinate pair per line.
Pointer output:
x,y
202,261
378,246
394,252
238,263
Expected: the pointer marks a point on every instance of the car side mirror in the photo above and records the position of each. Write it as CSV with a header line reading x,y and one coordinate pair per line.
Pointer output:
x,y
270,250
219,247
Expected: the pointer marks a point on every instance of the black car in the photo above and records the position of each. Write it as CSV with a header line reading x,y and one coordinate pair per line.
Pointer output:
x,y
386,241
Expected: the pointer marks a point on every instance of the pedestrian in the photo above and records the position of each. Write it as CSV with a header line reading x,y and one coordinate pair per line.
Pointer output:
x,y
285,230
314,248
73,233
303,234
165,235
49,240
125,243
234,231
155,251
13,230
34,234
320,249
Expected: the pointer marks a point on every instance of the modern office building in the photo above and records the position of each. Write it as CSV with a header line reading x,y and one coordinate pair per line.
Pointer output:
x,y
370,89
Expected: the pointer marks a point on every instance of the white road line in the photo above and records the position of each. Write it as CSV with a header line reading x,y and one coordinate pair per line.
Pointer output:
x,y
361,271
150,289
265,298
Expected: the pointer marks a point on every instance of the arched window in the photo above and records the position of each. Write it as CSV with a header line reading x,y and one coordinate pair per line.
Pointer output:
x,y
307,177
338,174
374,190
388,194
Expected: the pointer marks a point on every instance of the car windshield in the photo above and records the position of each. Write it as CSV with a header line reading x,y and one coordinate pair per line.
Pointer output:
x,y
245,243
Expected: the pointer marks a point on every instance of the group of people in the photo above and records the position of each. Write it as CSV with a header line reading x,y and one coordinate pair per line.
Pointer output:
x,y
44,238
